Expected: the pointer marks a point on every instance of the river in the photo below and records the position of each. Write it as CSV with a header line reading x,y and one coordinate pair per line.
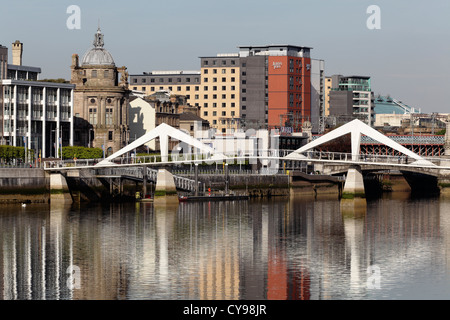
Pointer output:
x,y
282,248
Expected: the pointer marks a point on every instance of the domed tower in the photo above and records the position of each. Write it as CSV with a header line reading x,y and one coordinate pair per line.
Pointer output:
x,y
100,99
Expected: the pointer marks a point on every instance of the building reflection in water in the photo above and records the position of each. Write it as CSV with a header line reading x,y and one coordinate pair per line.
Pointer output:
x,y
294,248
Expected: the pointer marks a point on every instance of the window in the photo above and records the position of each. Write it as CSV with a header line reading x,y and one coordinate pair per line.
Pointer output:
x,y
93,116
94,74
205,113
110,135
109,117
224,71
205,71
106,74
224,113
214,113
214,71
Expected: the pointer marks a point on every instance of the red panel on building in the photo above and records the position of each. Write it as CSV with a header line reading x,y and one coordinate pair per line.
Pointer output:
x,y
289,91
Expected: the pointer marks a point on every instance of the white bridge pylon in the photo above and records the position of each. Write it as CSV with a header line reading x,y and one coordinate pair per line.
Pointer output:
x,y
164,131
356,128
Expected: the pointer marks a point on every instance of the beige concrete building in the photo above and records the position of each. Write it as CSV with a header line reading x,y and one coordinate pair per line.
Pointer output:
x,y
100,99
220,92
185,83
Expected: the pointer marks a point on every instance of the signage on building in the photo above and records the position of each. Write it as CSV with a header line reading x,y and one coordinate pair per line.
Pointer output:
x,y
277,64
286,130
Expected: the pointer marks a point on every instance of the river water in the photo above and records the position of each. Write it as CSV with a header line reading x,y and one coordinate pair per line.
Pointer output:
x,y
281,248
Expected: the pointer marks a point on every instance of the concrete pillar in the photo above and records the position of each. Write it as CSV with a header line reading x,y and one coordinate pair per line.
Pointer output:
x,y
59,190
227,180
196,179
165,190
354,184
144,181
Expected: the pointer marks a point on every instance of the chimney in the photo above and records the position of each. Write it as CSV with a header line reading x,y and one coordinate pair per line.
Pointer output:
x,y
17,50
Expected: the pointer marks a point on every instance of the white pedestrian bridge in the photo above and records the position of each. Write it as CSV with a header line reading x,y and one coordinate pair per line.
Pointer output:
x,y
271,161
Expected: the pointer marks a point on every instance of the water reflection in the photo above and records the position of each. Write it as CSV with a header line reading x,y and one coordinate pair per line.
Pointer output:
x,y
292,248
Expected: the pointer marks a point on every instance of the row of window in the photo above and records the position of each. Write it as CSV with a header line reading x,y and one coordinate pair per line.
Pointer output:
x,y
38,94
223,71
108,116
224,113
215,62
169,80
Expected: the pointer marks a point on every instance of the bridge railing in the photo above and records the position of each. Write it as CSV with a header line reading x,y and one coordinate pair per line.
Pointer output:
x,y
370,158
229,157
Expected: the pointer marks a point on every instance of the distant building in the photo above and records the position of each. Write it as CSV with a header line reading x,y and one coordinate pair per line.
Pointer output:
x,y
163,107
354,91
100,99
264,87
32,112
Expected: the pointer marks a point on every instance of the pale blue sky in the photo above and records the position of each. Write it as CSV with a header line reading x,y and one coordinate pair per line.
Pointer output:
x,y
407,58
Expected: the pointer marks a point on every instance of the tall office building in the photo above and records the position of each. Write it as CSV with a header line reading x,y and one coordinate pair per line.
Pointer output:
x,y
34,113
220,92
352,96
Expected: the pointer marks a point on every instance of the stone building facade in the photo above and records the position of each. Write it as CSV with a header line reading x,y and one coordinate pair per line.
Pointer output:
x,y
101,99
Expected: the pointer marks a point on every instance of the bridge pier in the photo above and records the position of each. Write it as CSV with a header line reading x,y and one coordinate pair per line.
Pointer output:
x,y
354,184
59,190
165,190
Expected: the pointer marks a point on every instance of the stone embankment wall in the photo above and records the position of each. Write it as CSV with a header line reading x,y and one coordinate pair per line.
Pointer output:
x,y
18,185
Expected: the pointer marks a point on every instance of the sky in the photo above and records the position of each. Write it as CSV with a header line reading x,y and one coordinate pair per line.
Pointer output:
x,y
406,57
